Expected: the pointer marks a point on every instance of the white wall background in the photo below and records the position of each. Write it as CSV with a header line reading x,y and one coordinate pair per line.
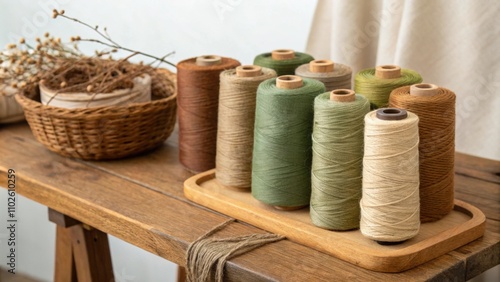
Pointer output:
x,y
232,28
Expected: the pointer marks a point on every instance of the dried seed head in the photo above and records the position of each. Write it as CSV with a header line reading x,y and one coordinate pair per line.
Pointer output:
x,y
55,13
63,84
90,88
22,40
47,34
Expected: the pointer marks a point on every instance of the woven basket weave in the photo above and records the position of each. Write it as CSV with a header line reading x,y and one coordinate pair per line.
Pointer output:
x,y
109,132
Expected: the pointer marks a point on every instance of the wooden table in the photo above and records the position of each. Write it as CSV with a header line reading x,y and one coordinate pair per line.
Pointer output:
x,y
140,200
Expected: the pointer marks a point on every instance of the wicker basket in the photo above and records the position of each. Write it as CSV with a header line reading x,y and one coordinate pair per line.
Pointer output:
x,y
109,132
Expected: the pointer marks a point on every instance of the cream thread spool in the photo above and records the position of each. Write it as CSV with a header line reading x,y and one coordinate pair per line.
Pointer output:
x,y
390,195
333,75
237,98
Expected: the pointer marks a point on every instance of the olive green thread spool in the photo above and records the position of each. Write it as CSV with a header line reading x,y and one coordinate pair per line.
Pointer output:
x,y
337,159
237,98
333,75
283,61
377,83
281,167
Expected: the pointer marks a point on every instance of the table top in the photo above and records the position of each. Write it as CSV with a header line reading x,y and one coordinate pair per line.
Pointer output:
x,y
140,200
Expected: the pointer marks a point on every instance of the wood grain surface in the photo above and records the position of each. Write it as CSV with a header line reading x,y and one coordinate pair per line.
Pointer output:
x,y
140,200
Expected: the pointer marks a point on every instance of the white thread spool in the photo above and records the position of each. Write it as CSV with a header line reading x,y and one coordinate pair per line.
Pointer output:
x,y
390,208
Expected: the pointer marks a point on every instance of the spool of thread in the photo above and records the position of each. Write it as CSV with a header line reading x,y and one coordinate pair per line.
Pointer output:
x,y
238,91
390,198
283,61
334,76
435,107
337,161
198,101
376,84
281,168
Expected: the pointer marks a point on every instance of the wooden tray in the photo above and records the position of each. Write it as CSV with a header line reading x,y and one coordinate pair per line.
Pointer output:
x,y
463,225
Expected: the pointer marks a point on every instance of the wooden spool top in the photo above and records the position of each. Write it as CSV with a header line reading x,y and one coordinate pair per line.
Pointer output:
x,y
343,95
391,114
208,60
321,66
282,54
289,82
248,71
388,71
424,89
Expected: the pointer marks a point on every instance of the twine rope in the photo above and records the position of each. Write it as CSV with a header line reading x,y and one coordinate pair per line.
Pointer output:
x,y
281,168
337,162
377,90
205,253
236,125
390,197
436,149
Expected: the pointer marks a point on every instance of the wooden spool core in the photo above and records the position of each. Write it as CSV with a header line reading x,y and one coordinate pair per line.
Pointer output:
x,y
248,71
424,89
321,66
289,82
388,71
208,60
282,54
391,114
343,95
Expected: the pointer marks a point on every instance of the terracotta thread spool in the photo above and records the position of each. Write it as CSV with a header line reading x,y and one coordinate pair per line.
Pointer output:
x,y
238,91
390,196
198,100
435,107
283,61
377,83
334,76
337,159
281,167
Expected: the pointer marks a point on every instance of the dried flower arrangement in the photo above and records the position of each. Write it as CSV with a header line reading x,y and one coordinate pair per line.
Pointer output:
x,y
99,132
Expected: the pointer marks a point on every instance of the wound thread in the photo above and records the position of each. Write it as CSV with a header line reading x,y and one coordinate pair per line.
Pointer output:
x,y
378,89
390,199
283,66
337,144
281,168
436,148
339,78
236,126
198,101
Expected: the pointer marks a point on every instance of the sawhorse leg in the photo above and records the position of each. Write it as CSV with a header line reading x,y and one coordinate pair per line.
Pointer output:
x,y
82,252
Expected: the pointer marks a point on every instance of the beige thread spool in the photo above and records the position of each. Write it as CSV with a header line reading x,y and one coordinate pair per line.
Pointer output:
x,y
238,89
333,75
289,82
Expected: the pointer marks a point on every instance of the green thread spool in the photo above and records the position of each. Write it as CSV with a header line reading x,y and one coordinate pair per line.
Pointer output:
x,y
283,61
281,167
337,159
377,83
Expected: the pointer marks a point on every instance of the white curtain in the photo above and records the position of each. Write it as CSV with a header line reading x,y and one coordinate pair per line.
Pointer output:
x,y
451,43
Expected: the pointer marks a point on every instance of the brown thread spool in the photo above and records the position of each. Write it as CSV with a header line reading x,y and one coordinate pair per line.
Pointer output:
x,y
198,100
343,95
282,54
435,107
289,82
388,71
238,91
